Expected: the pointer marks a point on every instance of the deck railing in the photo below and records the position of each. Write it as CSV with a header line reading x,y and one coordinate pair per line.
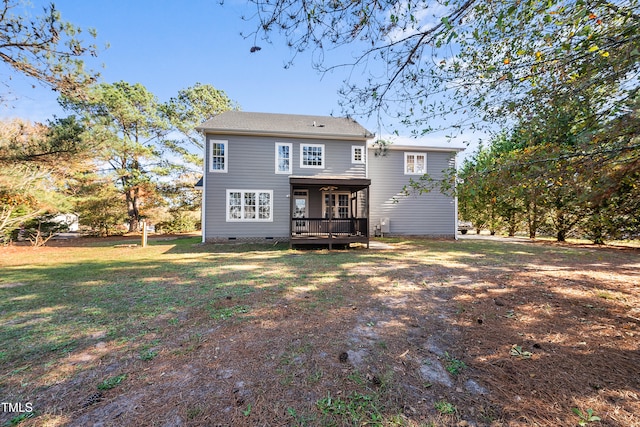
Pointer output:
x,y
325,227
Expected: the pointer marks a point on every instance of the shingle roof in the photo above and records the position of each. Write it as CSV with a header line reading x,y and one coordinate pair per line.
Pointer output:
x,y
292,125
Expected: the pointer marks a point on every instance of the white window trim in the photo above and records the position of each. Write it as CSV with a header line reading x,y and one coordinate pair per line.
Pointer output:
x,y
324,156
226,155
242,219
406,155
362,161
335,207
284,144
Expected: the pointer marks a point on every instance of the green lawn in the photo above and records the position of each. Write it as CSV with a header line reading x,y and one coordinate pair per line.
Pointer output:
x,y
56,299
59,306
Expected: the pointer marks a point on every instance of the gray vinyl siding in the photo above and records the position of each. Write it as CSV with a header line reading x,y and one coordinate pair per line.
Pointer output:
x,y
431,214
315,204
251,166
337,159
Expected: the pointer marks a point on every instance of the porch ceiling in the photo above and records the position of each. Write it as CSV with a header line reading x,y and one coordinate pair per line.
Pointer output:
x,y
351,182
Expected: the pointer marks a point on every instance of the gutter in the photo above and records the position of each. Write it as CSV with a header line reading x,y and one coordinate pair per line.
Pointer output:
x,y
422,148
334,136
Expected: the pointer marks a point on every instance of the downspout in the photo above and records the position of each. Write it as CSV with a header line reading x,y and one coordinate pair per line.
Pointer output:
x,y
366,175
367,208
455,197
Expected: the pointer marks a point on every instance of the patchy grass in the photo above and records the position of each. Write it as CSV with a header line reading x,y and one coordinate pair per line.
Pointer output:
x,y
180,332
452,365
112,382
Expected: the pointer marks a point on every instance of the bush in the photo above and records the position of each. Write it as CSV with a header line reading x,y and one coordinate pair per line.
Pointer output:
x,y
180,222
39,230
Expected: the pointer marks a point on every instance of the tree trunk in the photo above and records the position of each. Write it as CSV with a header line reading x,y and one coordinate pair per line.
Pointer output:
x,y
513,218
512,224
133,208
532,216
533,224
561,235
561,224
597,229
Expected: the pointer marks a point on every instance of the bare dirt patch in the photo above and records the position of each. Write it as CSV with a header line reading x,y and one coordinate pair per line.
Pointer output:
x,y
426,333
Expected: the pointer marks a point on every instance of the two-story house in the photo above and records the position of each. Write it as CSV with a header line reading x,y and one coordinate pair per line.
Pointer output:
x,y
306,179
285,177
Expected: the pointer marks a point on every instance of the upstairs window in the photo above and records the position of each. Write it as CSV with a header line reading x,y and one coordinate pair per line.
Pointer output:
x,y
415,163
312,156
218,156
283,157
357,154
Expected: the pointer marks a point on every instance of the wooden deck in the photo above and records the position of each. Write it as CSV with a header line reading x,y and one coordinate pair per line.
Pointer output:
x,y
308,231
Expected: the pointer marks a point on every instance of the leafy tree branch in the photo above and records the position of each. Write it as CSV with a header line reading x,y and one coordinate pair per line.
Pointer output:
x,y
45,47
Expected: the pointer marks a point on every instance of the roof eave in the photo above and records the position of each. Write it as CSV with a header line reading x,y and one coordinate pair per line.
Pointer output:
x,y
349,137
420,148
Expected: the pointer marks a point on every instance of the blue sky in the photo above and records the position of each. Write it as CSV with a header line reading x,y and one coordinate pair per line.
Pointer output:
x,y
170,45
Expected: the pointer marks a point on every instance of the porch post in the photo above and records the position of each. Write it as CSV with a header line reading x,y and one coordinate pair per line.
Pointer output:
x,y
366,207
354,211
290,215
330,217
